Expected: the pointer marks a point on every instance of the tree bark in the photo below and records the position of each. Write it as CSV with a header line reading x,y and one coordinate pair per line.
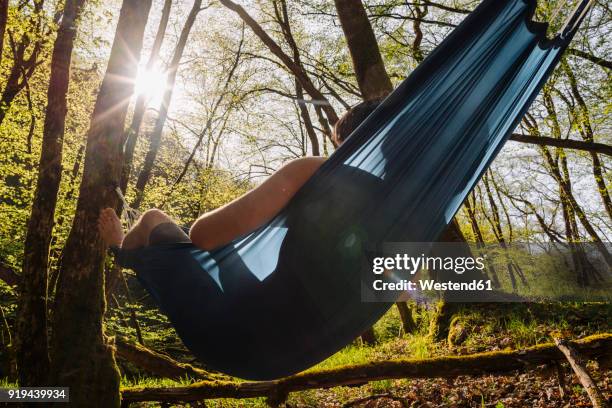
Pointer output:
x,y
496,362
81,356
31,327
159,364
367,61
156,135
408,323
3,21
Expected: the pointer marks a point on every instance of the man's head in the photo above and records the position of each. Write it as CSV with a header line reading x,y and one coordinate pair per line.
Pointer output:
x,y
352,119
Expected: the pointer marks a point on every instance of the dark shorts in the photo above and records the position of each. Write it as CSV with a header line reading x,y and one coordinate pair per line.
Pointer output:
x,y
164,234
169,233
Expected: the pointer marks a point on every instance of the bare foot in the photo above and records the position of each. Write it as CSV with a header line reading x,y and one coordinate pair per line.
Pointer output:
x,y
110,228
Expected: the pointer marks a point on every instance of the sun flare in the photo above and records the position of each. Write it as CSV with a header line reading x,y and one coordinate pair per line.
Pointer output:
x,y
150,83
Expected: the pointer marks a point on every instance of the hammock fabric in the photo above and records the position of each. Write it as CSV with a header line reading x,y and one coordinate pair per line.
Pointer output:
x,y
288,295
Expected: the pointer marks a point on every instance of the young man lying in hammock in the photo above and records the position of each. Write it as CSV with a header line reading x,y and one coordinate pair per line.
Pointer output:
x,y
239,217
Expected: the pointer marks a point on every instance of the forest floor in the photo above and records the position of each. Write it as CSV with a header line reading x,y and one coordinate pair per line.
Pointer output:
x,y
490,328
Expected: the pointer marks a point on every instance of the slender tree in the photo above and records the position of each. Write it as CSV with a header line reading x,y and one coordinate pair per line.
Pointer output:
x,y
26,58
156,136
132,133
31,328
583,119
3,21
81,356
282,17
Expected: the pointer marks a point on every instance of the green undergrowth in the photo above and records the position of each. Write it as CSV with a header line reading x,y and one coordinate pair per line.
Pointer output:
x,y
488,327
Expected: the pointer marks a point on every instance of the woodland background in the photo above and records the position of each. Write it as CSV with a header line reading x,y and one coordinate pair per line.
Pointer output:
x,y
211,97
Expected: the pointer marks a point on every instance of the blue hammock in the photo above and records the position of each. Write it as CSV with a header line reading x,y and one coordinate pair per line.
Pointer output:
x,y
288,295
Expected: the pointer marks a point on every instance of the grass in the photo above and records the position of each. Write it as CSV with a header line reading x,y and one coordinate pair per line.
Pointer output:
x,y
5,383
490,327
523,332
145,381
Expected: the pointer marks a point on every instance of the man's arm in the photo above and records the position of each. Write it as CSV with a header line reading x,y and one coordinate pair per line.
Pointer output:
x,y
255,208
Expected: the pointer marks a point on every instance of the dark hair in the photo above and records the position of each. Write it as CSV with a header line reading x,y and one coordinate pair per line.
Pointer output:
x,y
353,118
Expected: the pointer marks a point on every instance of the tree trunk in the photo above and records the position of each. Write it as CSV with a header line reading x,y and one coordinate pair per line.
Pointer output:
x,y
81,356
3,21
583,117
282,16
31,328
368,337
408,323
310,130
131,136
367,61
156,135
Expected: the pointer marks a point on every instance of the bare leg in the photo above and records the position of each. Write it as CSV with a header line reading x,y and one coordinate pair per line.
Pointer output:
x,y
109,226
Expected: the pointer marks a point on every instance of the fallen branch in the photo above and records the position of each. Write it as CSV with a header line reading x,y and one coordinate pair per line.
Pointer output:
x,y
159,364
565,143
476,364
576,362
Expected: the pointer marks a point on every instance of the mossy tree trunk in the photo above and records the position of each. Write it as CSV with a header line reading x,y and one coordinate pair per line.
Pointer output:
x,y
31,328
81,356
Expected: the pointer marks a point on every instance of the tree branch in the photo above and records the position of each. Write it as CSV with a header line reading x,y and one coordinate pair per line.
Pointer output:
x,y
295,69
565,143
596,397
590,57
